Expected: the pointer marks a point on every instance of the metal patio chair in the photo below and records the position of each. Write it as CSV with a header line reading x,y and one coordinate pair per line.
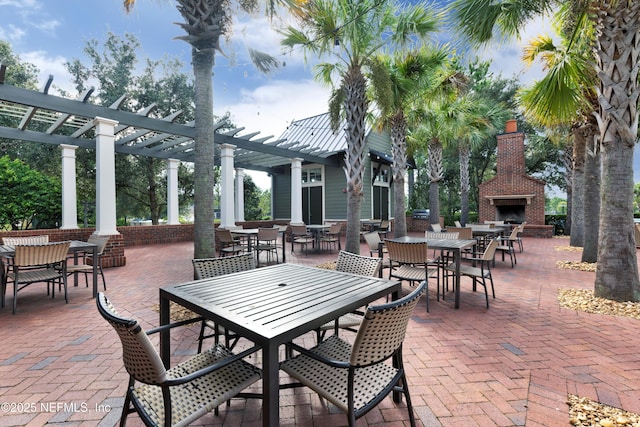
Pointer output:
x,y
480,270
300,236
267,241
332,237
357,377
228,244
410,261
37,263
184,393
204,268
85,267
356,264
507,245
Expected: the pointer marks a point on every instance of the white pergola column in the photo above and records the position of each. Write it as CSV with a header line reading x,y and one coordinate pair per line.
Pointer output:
x,y
172,192
296,191
105,177
227,216
239,194
69,198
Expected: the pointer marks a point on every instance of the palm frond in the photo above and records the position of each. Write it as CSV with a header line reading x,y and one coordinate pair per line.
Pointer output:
x,y
264,62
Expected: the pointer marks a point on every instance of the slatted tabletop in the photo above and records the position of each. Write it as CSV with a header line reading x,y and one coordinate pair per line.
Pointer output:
x,y
271,306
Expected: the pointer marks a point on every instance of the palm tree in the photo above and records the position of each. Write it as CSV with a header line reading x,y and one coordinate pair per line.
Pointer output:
x,y
352,32
398,82
205,21
615,42
478,120
565,96
434,120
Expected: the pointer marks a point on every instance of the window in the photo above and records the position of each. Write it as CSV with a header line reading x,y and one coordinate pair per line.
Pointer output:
x,y
381,174
312,175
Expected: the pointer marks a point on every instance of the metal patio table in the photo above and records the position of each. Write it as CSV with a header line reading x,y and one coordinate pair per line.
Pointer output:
x,y
252,234
76,246
271,306
456,246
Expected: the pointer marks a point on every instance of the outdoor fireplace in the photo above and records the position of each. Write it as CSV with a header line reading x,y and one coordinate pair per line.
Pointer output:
x,y
511,195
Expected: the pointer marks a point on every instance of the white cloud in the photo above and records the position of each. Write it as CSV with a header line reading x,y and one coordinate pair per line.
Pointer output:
x,y
23,4
12,34
47,26
269,108
50,65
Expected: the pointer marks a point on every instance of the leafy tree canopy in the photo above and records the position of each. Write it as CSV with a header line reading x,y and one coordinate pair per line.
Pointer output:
x,y
29,199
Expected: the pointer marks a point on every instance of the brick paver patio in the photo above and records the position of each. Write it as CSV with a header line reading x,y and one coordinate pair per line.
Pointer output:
x,y
511,365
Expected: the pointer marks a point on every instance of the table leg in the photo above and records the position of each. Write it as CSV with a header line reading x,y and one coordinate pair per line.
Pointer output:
x,y
75,275
284,240
457,254
165,335
270,386
95,270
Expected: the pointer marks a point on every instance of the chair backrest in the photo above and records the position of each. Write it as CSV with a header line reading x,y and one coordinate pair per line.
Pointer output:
x,y
441,235
514,233
32,255
384,225
407,252
358,264
335,229
224,235
494,222
100,241
210,267
298,230
26,240
490,250
268,234
457,224
464,233
140,358
373,240
436,228
383,328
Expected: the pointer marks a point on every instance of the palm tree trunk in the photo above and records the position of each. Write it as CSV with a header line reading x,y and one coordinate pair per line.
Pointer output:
x,y
568,165
577,197
399,151
592,196
435,175
204,234
464,184
355,109
618,52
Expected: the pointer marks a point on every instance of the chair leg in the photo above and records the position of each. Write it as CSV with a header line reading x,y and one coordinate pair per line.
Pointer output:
x,y
66,296
405,390
201,336
104,282
126,407
15,296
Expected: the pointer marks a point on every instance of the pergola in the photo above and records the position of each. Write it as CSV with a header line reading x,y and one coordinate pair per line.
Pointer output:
x,y
51,119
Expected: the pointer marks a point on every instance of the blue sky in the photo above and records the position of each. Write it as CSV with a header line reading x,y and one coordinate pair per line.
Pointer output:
x,y
47,33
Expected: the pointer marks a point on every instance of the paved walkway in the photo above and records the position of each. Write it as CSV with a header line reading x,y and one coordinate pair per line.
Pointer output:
x,y
511,365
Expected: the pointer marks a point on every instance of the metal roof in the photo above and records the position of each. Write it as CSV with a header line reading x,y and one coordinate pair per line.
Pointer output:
x,y
52,119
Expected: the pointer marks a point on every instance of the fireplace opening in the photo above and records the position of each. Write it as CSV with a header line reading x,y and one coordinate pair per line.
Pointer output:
x,y
511,214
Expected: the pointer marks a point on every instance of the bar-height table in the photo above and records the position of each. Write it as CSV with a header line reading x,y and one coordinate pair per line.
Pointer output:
x,y
454,245
271,306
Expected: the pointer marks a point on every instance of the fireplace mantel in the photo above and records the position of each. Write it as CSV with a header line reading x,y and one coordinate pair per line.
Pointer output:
x,y
526,197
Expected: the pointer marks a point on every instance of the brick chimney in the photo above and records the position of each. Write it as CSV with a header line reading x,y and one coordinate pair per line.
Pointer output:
x,y
511,195
510,156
